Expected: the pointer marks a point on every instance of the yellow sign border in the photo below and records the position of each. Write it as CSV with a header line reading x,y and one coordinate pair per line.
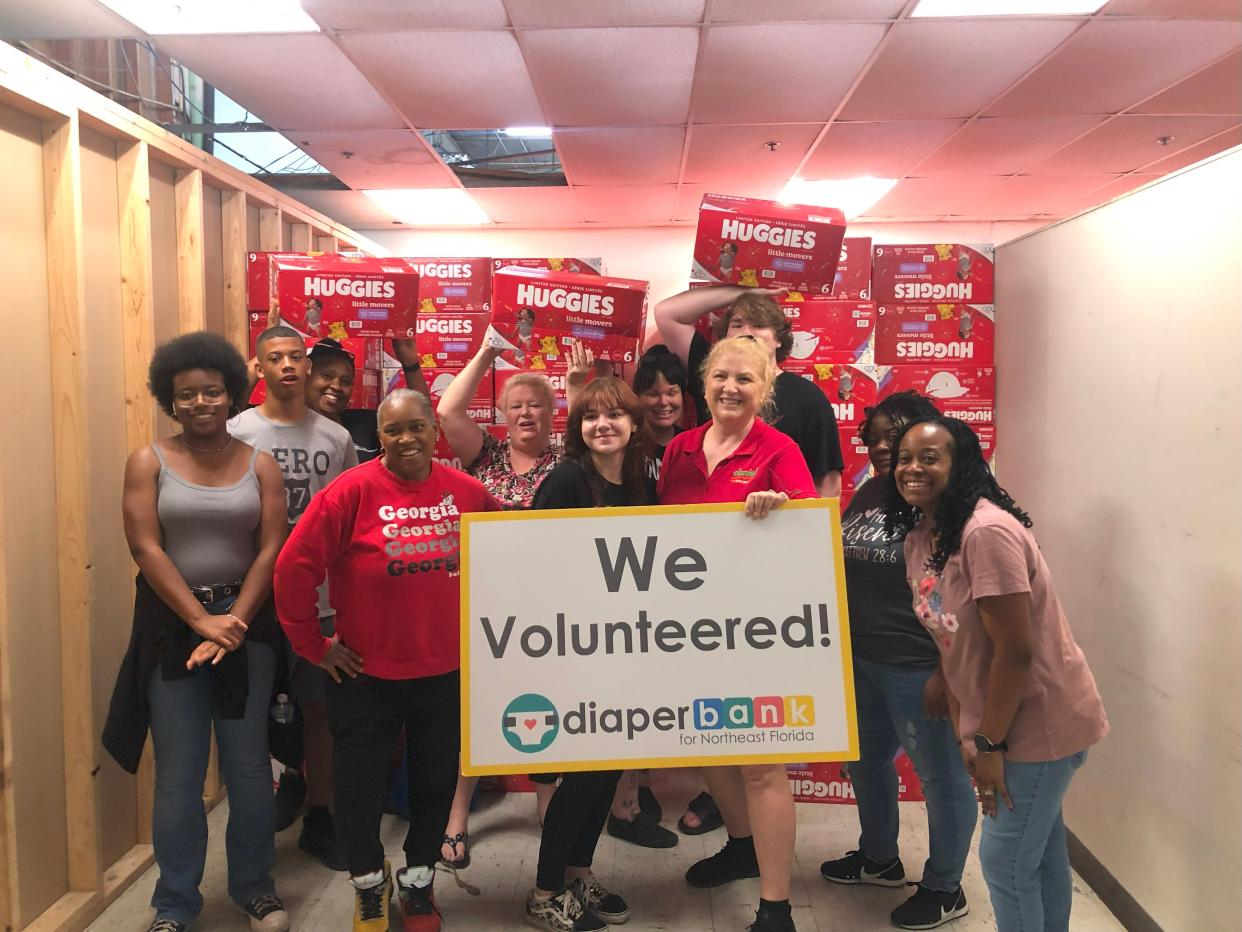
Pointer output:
x,y
831,505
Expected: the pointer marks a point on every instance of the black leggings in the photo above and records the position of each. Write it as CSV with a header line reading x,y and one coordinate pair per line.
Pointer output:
x,y
571,828
365,715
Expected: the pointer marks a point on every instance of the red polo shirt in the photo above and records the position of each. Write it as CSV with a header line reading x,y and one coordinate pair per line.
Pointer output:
x,y
766,460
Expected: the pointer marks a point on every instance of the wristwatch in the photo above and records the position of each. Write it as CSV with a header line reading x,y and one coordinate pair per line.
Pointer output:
x,y
985,745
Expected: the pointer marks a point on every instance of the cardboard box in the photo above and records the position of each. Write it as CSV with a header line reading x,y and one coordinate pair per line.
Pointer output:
x,y
854,453
259,277
964,392
574,266
480,407
539,313
948,334
830,331
830,782
853,279
987,442
744,241
848,388
461,285
338,296
932,272
448,339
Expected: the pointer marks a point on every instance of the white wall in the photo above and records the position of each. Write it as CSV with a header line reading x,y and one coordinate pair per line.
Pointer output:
x,y
1120,383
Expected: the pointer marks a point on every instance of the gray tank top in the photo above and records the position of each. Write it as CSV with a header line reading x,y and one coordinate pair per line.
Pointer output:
x,y
209,531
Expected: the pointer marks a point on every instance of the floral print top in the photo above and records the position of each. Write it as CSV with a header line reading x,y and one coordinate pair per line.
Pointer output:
x,y
494,468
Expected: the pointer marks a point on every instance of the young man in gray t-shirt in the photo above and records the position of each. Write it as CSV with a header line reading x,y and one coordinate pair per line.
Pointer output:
x,y
311,451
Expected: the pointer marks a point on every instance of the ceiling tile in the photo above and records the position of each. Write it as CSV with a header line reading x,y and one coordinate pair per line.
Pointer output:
x,y
728,154
350,208
805,11
1102,195
617,77
634,204
932,198
633,155
689,196
450,80
1029,195
1110,65
558,13
935,69
1003,146
394,158
1210,9
291,81
65,19
1199,152
739,80
394,15
1128,143
1215,89
884,150
529,207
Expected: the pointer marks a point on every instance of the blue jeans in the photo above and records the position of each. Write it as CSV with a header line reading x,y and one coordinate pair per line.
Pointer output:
x,y
890,715
1023,852
181,720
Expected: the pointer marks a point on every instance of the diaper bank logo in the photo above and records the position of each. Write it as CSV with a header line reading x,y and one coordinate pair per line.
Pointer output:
x,y
530,723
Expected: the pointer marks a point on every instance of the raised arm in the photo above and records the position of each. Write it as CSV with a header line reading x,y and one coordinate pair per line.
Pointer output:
x,y
406,353
461,432
676,316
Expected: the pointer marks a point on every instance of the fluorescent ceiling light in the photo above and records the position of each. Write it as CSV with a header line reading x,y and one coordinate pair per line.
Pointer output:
x,y
529,132
851,196
431,207
1006,7
213,17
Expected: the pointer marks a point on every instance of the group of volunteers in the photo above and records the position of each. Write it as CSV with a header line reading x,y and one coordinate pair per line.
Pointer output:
x,y
306,548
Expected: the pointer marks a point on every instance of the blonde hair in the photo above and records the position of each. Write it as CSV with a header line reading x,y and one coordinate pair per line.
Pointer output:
x,y
754,355
533,380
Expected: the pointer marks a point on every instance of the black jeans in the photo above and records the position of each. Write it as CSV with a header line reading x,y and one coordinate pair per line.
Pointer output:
x,y
572,825
365,716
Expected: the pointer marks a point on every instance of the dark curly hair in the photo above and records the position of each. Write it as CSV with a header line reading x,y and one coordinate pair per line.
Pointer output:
x,y
604,394
659,360
197,350
969,480
900,408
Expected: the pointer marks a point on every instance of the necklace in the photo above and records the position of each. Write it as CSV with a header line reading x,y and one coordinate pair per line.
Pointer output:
x,y
219,449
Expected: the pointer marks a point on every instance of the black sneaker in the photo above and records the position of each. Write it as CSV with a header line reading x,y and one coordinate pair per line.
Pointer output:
x,y
167,925
856,867
290,794
598,899
772,921
267,914
735,861
927,909
318,839
642,830
562,913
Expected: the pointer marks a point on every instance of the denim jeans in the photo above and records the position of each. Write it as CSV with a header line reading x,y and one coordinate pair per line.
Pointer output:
x,y
181,721
890,716
1023,852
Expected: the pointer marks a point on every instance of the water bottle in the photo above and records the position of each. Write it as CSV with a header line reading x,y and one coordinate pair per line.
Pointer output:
x,y
282,709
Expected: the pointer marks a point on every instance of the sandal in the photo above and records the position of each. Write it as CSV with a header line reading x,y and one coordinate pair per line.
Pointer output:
x,y
457,862
708,812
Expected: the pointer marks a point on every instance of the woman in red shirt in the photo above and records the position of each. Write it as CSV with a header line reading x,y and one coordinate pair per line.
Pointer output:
x,y
387,534
736,457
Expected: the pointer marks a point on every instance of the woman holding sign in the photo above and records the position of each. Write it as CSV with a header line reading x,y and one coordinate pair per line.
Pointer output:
x,y
1022,699
605,466
736,457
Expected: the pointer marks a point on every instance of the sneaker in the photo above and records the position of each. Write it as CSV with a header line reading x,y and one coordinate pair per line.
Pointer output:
x,y
856,867
642,830
735,861
561,912
598,899
927,909
167,925
371,904
267,914
290,794
769,921
318,839
419,912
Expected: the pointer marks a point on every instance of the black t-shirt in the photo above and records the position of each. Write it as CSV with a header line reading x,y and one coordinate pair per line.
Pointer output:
x,y
883,628
362,426
802,412
657,458
567,486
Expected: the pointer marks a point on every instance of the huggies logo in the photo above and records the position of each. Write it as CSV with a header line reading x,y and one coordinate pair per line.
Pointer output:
x,y
530,723
759,712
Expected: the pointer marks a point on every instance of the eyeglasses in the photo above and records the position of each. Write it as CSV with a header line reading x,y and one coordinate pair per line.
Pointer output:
x,y
188,397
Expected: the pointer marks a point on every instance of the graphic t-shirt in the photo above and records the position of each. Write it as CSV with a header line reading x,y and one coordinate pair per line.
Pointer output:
x,y
391,551
363,431
801,411
883,628
1061,712
656,460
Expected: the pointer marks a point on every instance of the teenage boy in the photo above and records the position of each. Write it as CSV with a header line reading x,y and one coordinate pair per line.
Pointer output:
x,y
311,451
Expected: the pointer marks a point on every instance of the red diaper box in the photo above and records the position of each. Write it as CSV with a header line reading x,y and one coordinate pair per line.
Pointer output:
x,y
854,454
830,782
744,241
560,414
967,393
448,339
479,407
259,277
932,272
848,388
538,313
948,334
987,442
461,285
853,279
826,330
444,455
339,296
574,266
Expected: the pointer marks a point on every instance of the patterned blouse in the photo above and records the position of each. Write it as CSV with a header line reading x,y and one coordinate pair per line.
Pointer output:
x,y
494,469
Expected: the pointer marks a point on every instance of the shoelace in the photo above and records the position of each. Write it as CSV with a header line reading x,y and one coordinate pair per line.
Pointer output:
x,y
373,901
264,905
566,907
166,925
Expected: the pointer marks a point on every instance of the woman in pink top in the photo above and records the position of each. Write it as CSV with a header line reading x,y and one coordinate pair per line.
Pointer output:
x,y
1022,699
736,457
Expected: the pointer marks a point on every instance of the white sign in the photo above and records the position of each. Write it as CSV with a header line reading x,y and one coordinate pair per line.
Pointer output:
x,y
654,637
